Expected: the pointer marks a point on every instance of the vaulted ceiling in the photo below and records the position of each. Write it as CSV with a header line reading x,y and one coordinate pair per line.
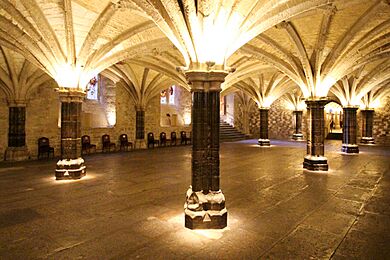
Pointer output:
x,y
316,43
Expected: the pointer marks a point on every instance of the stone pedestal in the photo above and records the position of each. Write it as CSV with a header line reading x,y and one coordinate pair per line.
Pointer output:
x,y
298,136
315,159
263,140
140,128
205,203
17,149
71,165
368,122
349,130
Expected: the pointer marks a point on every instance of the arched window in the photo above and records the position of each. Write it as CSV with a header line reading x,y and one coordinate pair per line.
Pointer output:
x,y
172,91
92,88
163,97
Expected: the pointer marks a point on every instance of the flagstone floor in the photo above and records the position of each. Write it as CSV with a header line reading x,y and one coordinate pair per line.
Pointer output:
x,y
130,206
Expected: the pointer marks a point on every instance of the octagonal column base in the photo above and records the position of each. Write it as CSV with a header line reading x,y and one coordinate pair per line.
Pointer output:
x,y
70,169
350,148
264,142
315,163
297,137
367,140
205,211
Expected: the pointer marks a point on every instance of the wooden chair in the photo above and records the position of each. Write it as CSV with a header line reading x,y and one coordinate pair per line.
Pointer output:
x,y
107,143
125,144
44,147
86,145
163,139
173,138
183,138
151,140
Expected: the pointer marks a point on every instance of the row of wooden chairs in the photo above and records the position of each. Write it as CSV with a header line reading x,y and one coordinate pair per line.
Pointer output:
x,y
44,148
86,145
163,141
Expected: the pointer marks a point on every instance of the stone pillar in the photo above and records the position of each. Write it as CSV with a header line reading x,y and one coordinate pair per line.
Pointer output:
x,y
71,165
349,130
17,149
297,136
205,202
315,159
263,140
368,123
140,127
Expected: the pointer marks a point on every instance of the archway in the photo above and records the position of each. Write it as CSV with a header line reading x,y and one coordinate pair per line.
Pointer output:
x,y
333,121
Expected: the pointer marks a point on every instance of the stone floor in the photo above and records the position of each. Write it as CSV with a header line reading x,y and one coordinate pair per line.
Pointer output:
x,y
130,206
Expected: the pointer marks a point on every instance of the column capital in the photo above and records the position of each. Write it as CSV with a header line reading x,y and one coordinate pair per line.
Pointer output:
x,y
206,80
367,110
139,107
317,102
351,108
71,94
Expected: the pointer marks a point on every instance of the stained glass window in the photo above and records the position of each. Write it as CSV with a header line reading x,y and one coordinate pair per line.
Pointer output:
x,y
172,95
92,88
163,97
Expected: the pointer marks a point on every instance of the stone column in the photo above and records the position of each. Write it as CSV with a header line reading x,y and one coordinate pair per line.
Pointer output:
x,y
263,140
368,123
315,159
297,136
140,127
71,165
17,149
205,202
349,130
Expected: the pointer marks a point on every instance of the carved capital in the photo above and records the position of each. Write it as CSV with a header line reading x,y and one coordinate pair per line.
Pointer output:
x,y
71,95
206,80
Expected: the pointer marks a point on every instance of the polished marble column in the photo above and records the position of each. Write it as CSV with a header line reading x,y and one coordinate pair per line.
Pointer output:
x,y
140,127
264,140
368,123
205,202
349,130
315,159
71,165
298,125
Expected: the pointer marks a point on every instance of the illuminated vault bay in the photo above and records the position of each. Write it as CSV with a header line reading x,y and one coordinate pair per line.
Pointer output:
x,y
306,82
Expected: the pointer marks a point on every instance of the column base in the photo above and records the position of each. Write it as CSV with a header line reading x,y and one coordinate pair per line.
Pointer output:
x,y
350,148
70,169
264,142
17,154
367,140
205,211
297,137
315,163
139,144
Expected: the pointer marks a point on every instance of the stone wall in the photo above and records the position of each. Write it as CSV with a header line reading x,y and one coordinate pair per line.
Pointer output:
x,y
281,122
280,119
181,109
381,130
43,111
